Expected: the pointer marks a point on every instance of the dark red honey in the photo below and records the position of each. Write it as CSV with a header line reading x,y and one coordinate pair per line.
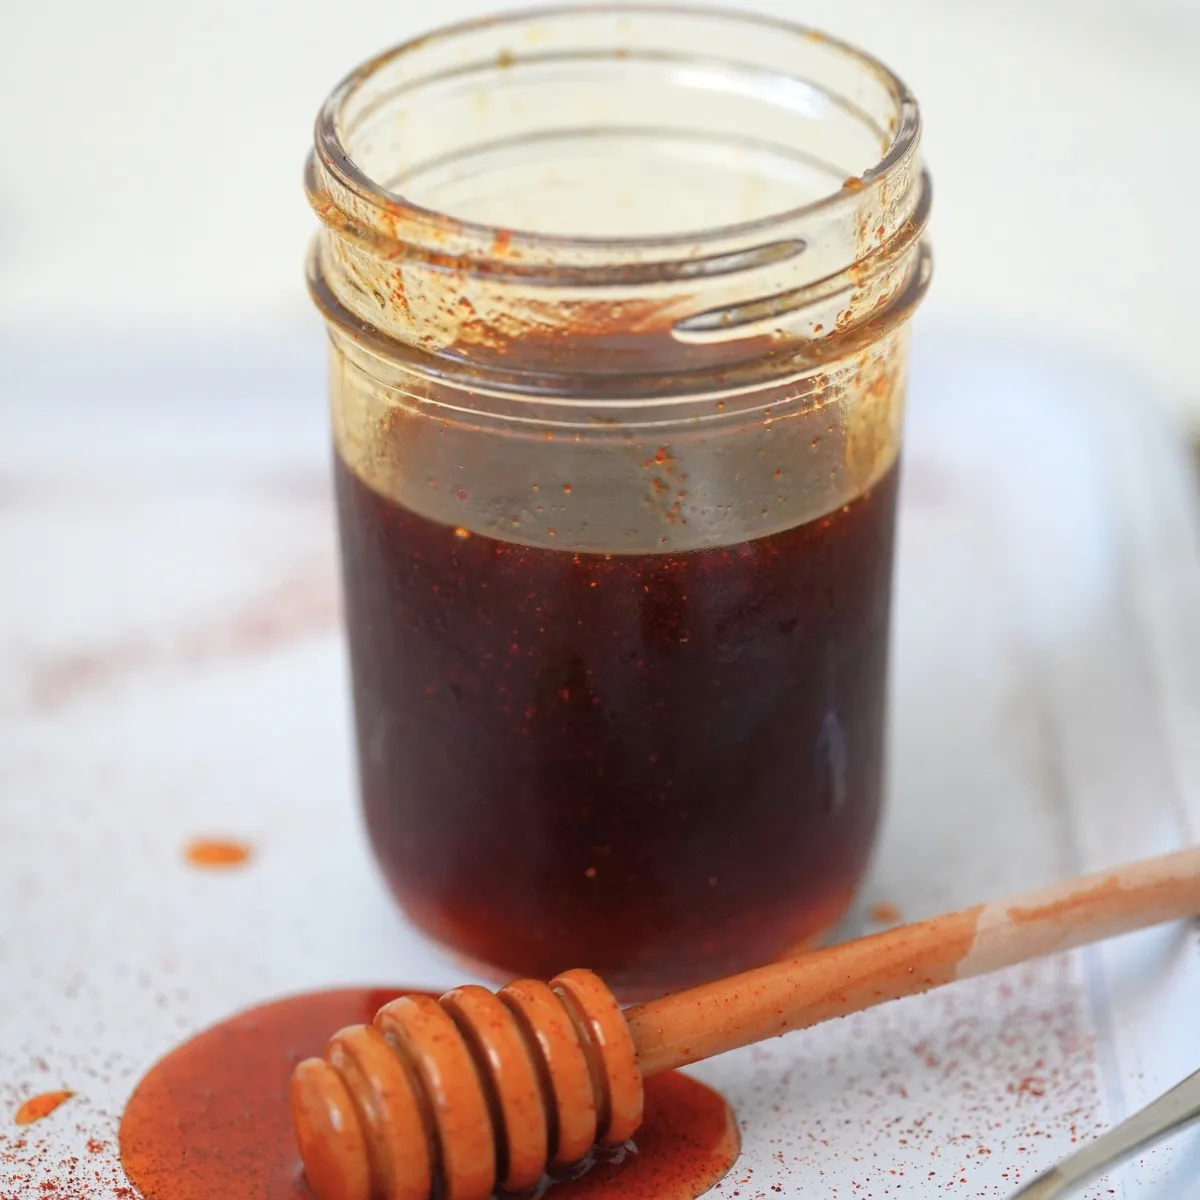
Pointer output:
x,y
664,767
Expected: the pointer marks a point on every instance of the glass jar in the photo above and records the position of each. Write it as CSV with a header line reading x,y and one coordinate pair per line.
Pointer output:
x,y
617,301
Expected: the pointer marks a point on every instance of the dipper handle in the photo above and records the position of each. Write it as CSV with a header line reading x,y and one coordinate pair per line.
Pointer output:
x,y
774,999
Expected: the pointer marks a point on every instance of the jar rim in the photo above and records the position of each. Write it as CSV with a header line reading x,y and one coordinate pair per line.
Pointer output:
x,y
337,160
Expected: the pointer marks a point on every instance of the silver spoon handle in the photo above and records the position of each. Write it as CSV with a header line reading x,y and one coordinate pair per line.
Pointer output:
x,y
1168,1113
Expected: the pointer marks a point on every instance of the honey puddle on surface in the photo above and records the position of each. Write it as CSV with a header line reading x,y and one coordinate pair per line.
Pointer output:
x,y
212,1118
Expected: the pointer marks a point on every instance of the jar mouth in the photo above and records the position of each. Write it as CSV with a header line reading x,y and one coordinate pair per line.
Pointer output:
x,y
540,36
647,197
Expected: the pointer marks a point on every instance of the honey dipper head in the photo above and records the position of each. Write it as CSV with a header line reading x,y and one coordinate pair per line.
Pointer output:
x,y
461,1094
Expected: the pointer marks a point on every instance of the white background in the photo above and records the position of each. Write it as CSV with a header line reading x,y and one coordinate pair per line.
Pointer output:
x,y
151,157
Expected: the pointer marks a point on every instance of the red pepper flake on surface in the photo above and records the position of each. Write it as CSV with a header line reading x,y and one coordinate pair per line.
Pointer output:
x,y
218,853
883,912
37,1107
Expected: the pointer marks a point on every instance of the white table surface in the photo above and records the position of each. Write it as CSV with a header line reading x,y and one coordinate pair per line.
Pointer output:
x,y
170,665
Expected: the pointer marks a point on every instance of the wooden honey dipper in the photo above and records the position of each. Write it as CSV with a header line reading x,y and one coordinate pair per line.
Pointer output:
x,y
477,1090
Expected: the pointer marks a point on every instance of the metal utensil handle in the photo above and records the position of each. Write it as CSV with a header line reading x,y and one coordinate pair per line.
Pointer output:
x,y
1163,1116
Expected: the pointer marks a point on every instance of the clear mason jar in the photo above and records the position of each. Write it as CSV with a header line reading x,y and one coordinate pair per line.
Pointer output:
x,y
617,302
